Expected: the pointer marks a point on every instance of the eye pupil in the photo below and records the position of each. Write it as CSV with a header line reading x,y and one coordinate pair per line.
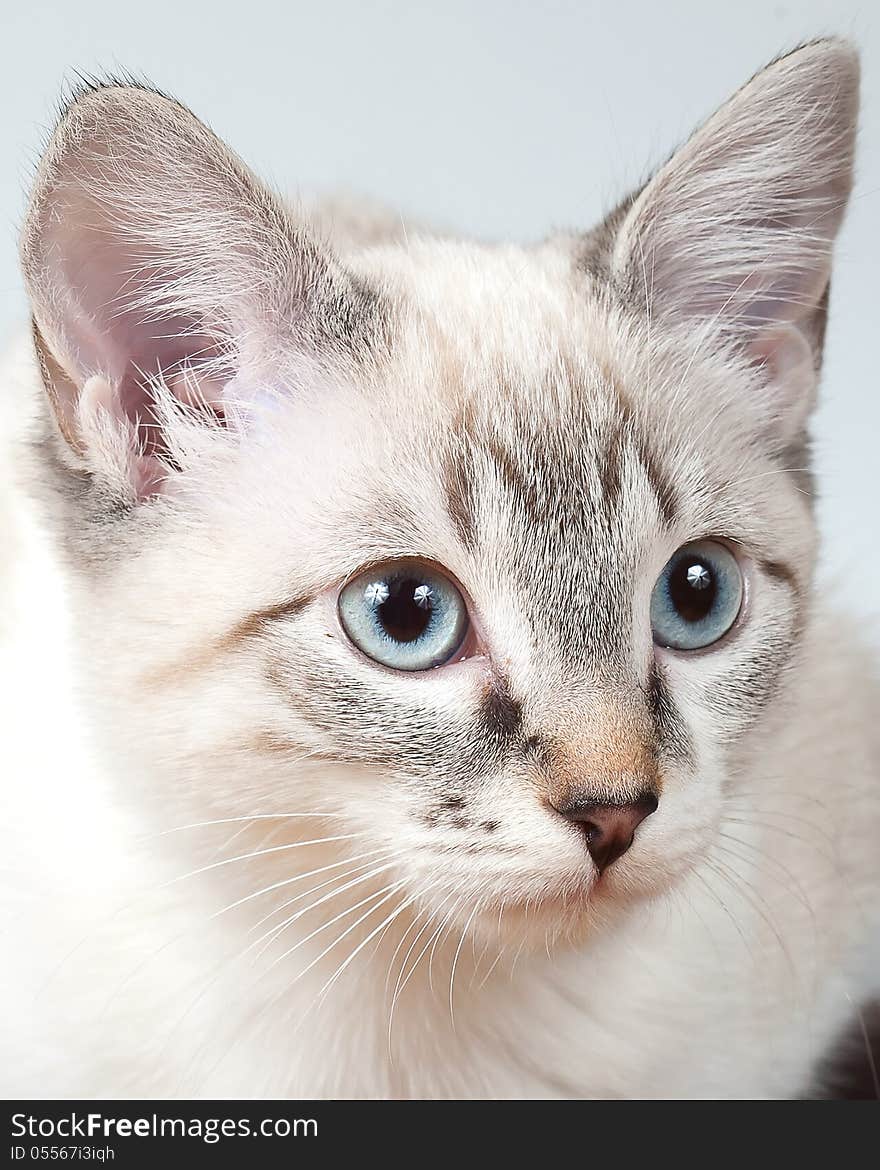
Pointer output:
x,y
405,608
692,590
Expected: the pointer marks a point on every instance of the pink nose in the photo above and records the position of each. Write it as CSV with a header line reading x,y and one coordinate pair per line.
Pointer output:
x,y
609,828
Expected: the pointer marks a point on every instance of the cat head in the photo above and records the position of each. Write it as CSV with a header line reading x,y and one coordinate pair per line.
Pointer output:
x,y
491,558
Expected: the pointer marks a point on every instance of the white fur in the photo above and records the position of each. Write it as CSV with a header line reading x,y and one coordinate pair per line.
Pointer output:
x,y
722,955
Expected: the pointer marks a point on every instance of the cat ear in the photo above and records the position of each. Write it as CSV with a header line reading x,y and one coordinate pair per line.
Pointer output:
x,y
733,236
160,272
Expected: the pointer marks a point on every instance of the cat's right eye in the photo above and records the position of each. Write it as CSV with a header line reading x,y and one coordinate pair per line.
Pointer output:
x,y
697,597
405,615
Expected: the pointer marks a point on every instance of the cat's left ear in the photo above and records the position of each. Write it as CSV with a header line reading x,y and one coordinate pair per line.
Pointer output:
x,y
732,238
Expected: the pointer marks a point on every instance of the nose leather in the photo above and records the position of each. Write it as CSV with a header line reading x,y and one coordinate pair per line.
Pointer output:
x,y
609,828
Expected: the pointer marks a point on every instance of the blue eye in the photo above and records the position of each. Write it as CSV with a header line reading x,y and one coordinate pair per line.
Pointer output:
x,y
405,615
697,597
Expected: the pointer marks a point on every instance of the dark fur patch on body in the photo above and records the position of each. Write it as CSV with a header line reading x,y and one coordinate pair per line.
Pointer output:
x,y
851,1070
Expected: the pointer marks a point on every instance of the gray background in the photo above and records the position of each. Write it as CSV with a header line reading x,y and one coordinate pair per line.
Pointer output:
x,y
500,119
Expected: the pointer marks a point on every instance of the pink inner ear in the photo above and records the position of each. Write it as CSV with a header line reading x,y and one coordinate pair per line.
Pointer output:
x,y
785,354
116,323
157,267
181,360
737,228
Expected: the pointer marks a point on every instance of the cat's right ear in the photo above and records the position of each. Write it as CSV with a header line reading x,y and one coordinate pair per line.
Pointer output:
x,y
731,240
159,271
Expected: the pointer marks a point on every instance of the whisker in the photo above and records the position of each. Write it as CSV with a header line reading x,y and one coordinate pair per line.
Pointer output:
x,y
250,817
793,884
259,853
753,899
492,966
330,922
276,931
401,982
464,931
387,922
444,925
273,1000
300,877
219,970
869,1052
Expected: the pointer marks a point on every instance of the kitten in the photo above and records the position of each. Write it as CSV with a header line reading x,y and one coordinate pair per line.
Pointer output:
x,y
455,714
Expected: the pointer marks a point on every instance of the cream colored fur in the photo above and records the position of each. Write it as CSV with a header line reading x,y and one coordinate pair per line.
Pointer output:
x,y
163,779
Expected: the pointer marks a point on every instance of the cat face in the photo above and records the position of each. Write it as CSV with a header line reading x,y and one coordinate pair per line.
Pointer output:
x,y
491,558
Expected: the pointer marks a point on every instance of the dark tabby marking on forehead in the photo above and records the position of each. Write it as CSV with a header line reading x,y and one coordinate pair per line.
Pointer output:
x,y
673,737
458,484
625,439
661,486
551,480
618,444
611,467
523,479
628,437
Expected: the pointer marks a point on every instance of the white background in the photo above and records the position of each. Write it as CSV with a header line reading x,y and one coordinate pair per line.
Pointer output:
x,y
497,118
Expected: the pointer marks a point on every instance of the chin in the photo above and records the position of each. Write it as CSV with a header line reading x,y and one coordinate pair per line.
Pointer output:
x,y
567,910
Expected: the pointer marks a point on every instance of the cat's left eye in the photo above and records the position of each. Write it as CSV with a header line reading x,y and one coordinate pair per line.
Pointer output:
x,y
406,615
